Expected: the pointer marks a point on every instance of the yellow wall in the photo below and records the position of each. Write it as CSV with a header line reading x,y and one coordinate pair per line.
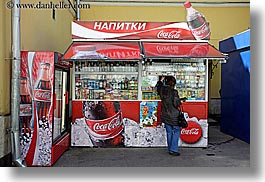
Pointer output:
x,y
231,21
5,61
39,32
224,22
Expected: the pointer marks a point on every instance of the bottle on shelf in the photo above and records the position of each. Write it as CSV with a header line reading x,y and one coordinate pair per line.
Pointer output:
x,y
76,66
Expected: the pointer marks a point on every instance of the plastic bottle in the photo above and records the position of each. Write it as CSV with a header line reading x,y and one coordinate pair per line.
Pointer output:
x,y
43,94
197,23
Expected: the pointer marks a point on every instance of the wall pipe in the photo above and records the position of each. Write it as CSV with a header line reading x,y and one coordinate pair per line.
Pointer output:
x,y
71,9
77,10
15,87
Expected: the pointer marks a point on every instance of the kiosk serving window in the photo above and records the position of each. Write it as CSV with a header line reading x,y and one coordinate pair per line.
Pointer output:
x,y
106,80
190,78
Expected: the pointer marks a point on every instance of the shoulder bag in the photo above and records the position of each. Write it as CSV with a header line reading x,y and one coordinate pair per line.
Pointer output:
x,y
182,120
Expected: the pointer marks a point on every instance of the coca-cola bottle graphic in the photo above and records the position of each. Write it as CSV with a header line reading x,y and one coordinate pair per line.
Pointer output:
x,y
197,23
104,121
42,96
25,117
42,100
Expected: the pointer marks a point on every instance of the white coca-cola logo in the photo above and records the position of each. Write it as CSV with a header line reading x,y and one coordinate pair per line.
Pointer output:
x,y
201,31
122,54
168,49
44,95
114,123
116,26
168,35
192,131
25,110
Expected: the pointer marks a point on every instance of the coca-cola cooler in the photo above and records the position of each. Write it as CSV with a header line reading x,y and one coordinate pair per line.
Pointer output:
x,y
44,107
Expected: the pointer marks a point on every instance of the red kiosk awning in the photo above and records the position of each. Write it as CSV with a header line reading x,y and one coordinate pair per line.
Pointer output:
x,y
180,50
103,50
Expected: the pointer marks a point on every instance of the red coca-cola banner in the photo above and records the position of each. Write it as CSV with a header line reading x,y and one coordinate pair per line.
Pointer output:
x,y
131,30
103,50
175,50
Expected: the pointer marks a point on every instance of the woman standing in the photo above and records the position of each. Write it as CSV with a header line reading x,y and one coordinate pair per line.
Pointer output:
x,y
169,116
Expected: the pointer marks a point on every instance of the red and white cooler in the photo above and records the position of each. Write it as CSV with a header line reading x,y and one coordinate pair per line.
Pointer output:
x,y
44,108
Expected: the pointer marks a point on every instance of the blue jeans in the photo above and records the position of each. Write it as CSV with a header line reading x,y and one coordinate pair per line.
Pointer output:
x,y
173,133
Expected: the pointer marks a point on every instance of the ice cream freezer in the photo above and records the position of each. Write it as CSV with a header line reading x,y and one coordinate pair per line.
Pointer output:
x,y
115,102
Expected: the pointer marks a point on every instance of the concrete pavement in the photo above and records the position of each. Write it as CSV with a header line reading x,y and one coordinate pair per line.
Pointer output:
x,y
222,151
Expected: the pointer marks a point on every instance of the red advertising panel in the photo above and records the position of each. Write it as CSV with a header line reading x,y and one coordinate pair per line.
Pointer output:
x,y
133,124
131,30
102,121
36,107
103,50
180,50
196,134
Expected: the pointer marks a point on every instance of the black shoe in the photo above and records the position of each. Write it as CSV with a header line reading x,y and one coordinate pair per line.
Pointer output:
x,y
174,153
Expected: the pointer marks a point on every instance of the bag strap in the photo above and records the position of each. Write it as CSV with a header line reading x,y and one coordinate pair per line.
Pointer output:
x,y
180,108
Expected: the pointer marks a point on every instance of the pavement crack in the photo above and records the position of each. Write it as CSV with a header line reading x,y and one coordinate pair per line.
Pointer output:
x,y
223,142
214,145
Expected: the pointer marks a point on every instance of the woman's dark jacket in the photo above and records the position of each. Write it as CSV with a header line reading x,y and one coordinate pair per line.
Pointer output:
x,y
170,103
